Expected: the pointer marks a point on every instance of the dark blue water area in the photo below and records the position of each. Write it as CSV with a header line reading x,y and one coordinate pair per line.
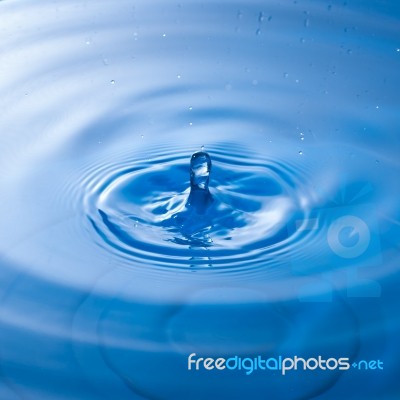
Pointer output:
x,y
214,177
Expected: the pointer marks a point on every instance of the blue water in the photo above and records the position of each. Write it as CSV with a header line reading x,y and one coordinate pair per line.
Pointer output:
x,y
114,269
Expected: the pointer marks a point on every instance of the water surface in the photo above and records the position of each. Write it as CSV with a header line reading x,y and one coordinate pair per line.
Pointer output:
x,y
109,280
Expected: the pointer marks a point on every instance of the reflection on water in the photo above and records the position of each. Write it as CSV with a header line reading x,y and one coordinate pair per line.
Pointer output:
x,y
120,254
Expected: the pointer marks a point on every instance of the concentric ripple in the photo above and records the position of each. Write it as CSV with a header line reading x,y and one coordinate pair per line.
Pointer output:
x,y
139,209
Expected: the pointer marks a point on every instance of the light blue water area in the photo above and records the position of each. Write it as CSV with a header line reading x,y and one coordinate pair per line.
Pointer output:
x,y
119,257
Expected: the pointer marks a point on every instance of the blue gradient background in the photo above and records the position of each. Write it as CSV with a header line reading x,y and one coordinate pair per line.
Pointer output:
x,y
103,103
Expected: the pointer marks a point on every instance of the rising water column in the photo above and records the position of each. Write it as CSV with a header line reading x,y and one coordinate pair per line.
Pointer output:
x,y
200,168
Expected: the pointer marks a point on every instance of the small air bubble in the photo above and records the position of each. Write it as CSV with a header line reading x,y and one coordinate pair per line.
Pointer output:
x,y
377,107
255,82
301,136
260,17
285,74
202,148
178,76
142,136
112,82
398,50
377,161
88,42
300,152
164,35
306,23
258,32
190,123
190,108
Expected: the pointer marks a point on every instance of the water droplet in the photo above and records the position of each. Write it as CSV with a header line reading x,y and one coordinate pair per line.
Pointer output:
x,y
200,167
112,82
